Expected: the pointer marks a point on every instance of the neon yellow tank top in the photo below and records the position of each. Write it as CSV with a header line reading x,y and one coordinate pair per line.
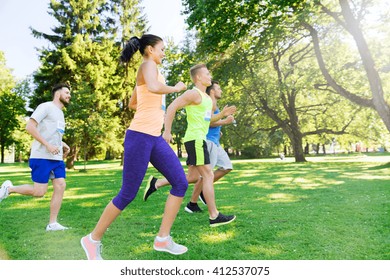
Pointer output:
x,y
198,118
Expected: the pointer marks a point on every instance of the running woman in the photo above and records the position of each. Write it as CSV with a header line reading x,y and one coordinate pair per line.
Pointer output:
x,y
144,144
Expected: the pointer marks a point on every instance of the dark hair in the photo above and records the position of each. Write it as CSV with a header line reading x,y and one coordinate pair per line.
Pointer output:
x,y
210,87
58,87
135,44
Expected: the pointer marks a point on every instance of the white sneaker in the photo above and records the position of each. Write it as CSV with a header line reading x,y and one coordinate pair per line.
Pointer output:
x,y
93,249
168,245
4,189
55,226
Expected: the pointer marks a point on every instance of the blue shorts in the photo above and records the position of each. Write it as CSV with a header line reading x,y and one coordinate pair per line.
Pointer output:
x,y
44,169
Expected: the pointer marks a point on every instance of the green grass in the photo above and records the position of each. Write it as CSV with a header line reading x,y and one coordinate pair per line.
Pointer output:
x,y
330,208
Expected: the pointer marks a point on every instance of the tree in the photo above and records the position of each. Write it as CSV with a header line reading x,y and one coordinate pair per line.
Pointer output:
x,y
351,24
12,107
223,23
132,22
7,81
85,53
277,92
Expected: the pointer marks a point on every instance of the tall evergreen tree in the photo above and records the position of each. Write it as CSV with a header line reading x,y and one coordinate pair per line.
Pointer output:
x,y
84,51
132,22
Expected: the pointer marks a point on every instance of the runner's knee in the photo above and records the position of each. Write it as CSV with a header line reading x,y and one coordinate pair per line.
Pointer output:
x,y
179,187
39,192
122,200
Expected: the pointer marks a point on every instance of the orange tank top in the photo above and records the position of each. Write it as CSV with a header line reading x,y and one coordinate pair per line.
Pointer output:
x,y
149,116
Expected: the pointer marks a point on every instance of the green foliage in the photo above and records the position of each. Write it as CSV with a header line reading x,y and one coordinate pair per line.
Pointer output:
x,y
221,24
7,81
262,50
279,92
85,51
131,23
330,208
23,142
12,107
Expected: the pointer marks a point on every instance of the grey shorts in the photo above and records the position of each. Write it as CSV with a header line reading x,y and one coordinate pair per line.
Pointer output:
x,y
218,156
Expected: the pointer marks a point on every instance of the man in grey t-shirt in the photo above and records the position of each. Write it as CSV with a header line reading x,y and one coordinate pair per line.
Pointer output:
x,y
46,125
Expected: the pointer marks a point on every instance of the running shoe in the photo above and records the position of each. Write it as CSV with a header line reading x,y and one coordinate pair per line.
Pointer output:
x,y
93,249
222,220
55,227
201,198
169,246
150,187
192,208
4,189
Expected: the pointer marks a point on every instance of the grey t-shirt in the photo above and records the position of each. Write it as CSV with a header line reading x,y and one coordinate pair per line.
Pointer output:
x,y
51,125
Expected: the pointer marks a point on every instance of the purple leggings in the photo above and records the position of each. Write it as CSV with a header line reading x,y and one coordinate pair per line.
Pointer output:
x,y
140,148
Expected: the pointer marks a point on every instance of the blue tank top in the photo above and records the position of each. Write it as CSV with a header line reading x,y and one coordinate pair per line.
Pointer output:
x,y
214,133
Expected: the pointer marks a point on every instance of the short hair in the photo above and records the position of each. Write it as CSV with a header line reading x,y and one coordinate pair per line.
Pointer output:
x,y
194,70
138,44
210,87
57,87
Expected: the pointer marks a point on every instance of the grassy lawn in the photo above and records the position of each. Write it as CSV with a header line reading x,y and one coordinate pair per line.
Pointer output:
x,y
330,208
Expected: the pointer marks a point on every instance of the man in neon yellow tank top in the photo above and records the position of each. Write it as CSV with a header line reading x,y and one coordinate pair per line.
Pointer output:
x,y
198,106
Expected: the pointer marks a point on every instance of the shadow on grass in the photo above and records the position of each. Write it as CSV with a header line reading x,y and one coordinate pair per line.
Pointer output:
x,y
321,210
383,166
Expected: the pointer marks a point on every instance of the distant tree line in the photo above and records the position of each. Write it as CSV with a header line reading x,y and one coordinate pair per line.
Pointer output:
x,y
302,74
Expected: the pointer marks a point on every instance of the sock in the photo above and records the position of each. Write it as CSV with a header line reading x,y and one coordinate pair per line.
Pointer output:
x,y
215,217
153,183
161,239
90,238
193,203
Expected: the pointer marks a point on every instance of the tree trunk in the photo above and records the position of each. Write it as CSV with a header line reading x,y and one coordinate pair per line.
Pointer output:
x,y
2,153
374,79
71,159
179,150
297,143
307,149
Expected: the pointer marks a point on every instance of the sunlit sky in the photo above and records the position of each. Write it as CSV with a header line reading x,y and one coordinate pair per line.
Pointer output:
x,y
19,46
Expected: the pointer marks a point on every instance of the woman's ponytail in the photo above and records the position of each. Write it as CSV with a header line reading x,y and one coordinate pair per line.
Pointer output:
x,y
131,47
